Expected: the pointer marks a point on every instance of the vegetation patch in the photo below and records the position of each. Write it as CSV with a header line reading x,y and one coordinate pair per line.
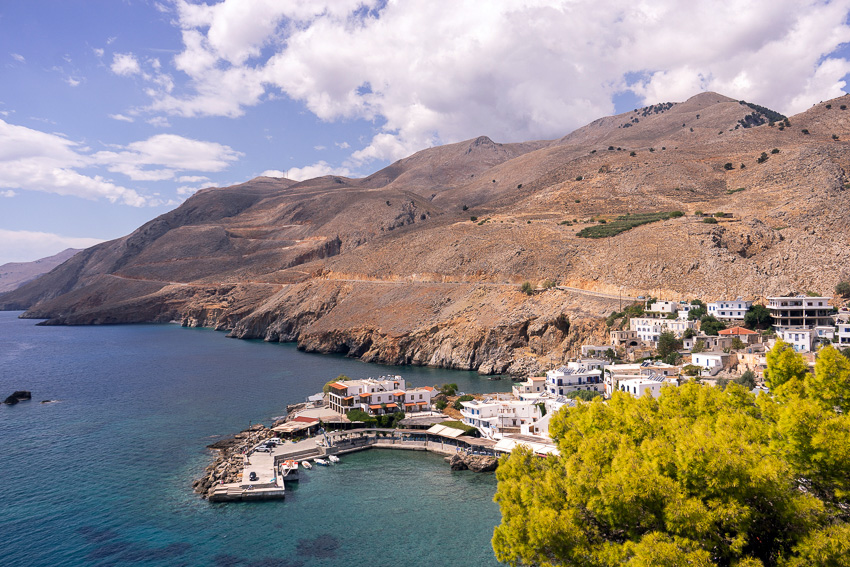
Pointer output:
x,y
467,429
738,190
623,223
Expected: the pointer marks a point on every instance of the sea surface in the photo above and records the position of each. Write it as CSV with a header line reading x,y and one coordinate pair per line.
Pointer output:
x,y
103,475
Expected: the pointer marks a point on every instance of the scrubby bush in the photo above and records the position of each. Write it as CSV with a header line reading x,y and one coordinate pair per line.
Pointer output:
x,y
762,158
465,398
709,220
526,288
843,289
774,151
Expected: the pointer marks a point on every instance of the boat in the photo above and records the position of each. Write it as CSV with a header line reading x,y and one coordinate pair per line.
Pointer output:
x,y
322,462
289,470
333,459
306,465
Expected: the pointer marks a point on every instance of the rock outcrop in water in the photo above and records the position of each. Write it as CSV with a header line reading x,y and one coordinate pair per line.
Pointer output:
x,y
474,463
18,396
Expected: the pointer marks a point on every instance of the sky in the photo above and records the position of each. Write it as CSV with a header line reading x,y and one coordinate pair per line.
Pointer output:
x,y
113,112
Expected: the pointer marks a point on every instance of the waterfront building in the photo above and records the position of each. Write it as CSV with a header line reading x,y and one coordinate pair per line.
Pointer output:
x,y
378,396
800,311
729,310
616,373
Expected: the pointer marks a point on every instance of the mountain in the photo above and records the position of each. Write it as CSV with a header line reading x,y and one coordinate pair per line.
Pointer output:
x,y
14,274
391,268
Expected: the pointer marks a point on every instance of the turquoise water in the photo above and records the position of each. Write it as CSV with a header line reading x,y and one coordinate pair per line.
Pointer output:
x,y
103,476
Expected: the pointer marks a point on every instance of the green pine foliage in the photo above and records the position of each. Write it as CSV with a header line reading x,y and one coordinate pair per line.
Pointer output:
x,y
700,476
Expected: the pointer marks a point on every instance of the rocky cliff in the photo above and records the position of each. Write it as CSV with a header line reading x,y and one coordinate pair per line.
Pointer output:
x,y
422,262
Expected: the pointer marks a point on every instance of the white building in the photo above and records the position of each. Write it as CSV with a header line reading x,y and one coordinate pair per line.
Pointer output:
x,y
800,338
729,310
664,307
616,373
648,329
594,350
637,387
573,377
800,311
712,362
494,418
843,333
532,385
378,396
684,309
824,334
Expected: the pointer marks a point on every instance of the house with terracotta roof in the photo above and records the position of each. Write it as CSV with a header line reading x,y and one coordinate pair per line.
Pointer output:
x,y
747,336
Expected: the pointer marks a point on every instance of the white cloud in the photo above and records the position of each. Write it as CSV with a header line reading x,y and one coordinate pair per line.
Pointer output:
x,y
125,64
26,246
19,58
121,117
187,191
98,51
319,148
193,179
39,161
159,122
342,145
514,70
7,193
72,81
317,169
273,173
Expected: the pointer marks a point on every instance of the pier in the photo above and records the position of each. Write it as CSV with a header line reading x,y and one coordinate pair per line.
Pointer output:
x,y
270,483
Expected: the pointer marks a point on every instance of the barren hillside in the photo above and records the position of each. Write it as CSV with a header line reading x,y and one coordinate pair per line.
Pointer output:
x,y
391,267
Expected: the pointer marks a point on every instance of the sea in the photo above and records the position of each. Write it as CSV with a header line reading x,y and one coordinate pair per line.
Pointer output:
x,y
102,475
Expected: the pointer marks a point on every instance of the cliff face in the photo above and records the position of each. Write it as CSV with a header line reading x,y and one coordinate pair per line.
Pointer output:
x,y
391,269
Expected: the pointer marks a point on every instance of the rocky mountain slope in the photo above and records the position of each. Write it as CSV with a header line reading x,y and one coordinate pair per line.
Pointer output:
x,y
15,274
391,268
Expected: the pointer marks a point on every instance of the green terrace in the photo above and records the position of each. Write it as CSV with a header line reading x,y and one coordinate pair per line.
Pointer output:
x,y
623,223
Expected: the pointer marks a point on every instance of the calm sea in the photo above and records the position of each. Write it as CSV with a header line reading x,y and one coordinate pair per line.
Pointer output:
x,y
103,476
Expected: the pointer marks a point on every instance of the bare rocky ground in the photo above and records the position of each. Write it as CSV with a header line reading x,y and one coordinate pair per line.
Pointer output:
x,y
391,269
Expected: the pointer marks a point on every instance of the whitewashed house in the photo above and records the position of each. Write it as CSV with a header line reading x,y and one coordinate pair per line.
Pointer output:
x,y
532,385
729,310
638,387
495,418
663,307
800,338
573,377
843,333
648,329
594,351
712,362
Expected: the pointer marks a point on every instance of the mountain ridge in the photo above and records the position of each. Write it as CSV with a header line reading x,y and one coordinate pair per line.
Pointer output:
x,y
390,268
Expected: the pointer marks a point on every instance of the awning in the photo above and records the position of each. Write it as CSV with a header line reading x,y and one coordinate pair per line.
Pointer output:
x,y
506,445
445,431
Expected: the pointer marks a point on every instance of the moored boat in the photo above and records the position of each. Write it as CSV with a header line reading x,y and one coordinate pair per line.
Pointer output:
x,y
333,458
306,465
322,462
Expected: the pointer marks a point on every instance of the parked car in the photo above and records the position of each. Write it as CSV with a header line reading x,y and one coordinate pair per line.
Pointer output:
x,y
262,449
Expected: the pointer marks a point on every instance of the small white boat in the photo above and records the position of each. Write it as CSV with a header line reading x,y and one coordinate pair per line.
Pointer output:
x,y
306,465
333,458
322,462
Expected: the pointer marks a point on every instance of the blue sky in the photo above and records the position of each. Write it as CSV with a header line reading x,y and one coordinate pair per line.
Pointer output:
x,y
115,111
